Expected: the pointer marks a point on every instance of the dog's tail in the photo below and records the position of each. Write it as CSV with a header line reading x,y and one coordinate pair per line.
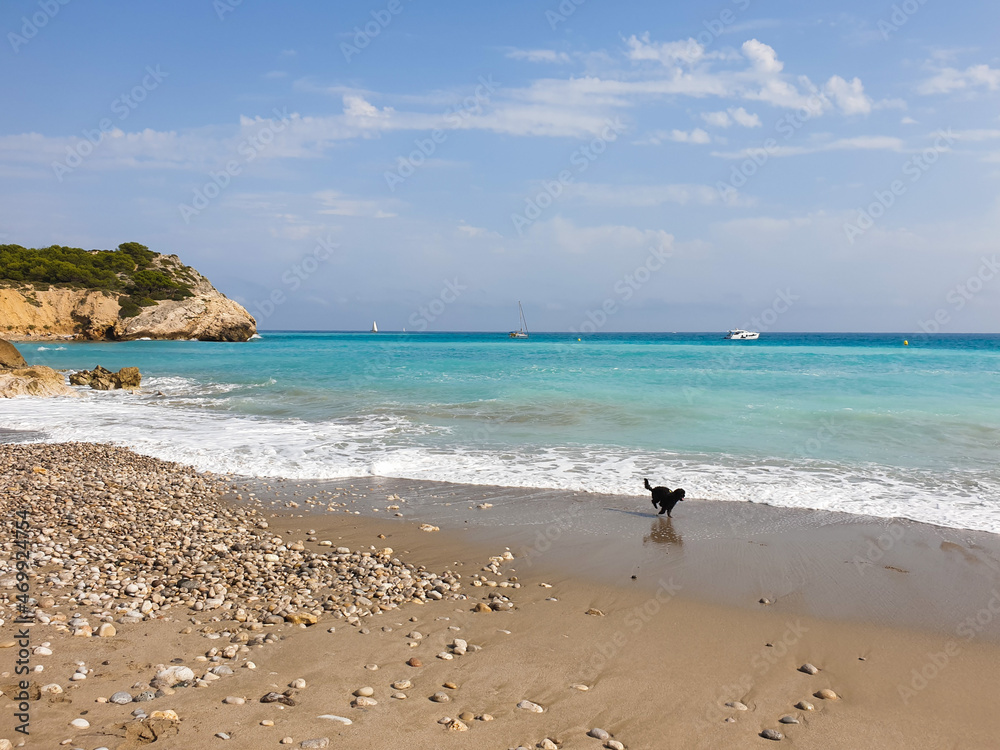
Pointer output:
x,y
646,482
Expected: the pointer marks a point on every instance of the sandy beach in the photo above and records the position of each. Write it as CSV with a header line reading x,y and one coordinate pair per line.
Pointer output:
x,y
545,616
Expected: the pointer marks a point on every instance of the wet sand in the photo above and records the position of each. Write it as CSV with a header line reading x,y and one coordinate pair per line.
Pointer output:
x,y
900,637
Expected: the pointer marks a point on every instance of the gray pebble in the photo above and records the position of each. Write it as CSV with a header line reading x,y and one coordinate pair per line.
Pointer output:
x,y
145,695
316,743
121,698
788,720
599,734
808,668
772,734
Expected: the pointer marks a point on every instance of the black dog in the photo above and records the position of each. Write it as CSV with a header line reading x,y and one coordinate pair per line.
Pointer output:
x,y
665,498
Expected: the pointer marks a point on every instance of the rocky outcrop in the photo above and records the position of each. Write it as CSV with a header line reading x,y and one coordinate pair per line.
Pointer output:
x,y
10,356
33,381
100,379
27,313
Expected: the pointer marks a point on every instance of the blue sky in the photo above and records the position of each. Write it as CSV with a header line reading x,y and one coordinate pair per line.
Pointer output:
x,y
614,166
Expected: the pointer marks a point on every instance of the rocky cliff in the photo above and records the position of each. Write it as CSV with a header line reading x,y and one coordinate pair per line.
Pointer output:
x,y
28,312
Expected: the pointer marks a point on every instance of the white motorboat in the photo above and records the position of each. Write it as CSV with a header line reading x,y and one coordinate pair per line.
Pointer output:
x,y
738,334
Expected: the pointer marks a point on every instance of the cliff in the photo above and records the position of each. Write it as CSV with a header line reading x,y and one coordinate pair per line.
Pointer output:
x,y
125,307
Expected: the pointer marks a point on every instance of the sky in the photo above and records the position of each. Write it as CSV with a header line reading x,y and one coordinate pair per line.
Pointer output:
x,y
628,166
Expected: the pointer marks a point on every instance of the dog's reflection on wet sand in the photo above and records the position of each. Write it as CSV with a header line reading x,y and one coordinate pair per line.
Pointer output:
x,y
662,532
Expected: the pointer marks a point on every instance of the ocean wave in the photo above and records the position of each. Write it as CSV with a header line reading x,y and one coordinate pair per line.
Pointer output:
x,y
385,444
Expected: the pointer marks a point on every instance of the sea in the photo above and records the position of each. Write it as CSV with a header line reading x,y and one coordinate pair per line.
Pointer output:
x,y
890,425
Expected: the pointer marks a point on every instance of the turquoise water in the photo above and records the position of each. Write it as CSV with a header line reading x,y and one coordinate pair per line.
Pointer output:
x,y
855,422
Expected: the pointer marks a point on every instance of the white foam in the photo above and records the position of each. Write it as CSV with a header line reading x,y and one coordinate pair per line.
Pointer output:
x,y
178,427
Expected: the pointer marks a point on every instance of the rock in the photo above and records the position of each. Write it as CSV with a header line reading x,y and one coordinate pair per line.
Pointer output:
x,y
788,720
107,630
458,726
168,715
364,692
99,379
363,702
805,706
121,698
772,734
485,717
594,612
415,662
222,736
172,675
581,687
232,700
333,717
827,694
481,607
765,601
316,743
10,357
298,684
548,744
38,381
145,696
737,705
301,618
428,527
273,697
467,716
530,706
599,734
54,689
269,723
808,668
402,684
440,697
6,745
80,724
399,696
614,745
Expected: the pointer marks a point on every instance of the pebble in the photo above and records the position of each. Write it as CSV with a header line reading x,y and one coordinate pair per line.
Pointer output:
x,y
287,740
399,696
364,692
440,697
402,684
737,705
121,698
107,630
458,726
314,744
233,700
485,717
808,668
450,685
363,702
55,689
580,687
298,684
415,662
222,736
805,706
333,717
530,706
548,744
599,734
269,723
594,612
826,694
467,716
80,724
614,745
772,734
788,720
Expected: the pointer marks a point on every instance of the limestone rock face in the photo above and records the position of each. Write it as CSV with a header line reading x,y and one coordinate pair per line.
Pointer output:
x,y
33,381
10,356
27,313
104,380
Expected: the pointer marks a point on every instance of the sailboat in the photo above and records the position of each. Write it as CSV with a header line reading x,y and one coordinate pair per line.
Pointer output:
x,y
522,332
374,327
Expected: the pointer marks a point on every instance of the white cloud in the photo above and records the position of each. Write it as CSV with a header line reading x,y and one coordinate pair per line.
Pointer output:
x,y
858,143
644,196
948,80
602,241
734,114
658,137
539,55
849,96
762,56
907,121
686,51
337,204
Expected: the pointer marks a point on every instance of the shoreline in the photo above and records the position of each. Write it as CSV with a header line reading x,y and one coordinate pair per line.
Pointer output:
x,y
660,655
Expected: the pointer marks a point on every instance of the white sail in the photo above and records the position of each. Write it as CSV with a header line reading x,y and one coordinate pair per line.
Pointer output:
x,y
374,327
